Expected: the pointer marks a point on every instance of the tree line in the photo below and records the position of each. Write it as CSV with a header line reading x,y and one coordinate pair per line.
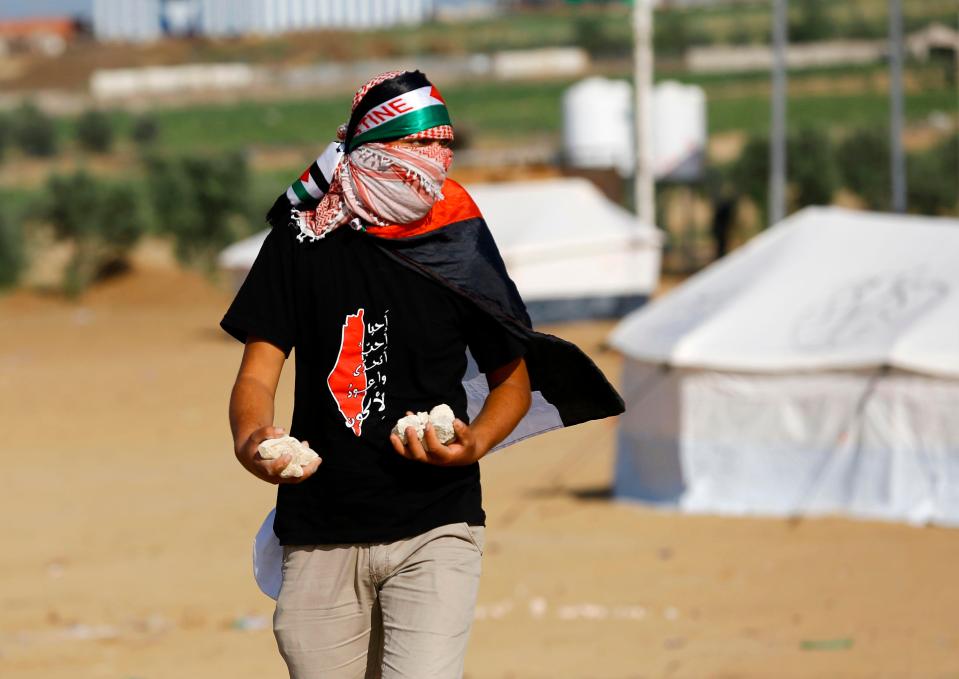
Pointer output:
x,y
35,133
819,164
202,202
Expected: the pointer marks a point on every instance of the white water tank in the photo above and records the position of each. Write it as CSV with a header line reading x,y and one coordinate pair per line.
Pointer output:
x,y
598,124
679,131
598,127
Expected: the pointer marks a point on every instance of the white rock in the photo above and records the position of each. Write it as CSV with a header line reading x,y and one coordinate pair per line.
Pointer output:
x,y
442,419
291,470
300,455
417,421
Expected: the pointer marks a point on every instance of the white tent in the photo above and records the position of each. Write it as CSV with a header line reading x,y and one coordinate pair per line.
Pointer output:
x,y
571,251
815,370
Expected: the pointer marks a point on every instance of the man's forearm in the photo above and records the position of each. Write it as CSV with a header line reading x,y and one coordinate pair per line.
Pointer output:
x,y
251,414
505,406
251,407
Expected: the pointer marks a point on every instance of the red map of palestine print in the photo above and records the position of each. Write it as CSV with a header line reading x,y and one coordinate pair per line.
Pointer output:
x,y
347,380
358,379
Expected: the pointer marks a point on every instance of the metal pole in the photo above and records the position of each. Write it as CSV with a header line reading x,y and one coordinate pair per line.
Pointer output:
x,y
898,157
645,182
777,142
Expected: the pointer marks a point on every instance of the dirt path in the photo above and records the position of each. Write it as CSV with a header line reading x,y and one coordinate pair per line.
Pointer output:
x,y
128,527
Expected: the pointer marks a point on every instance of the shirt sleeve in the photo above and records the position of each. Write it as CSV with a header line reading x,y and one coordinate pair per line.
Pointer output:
x,y
490,343
264,305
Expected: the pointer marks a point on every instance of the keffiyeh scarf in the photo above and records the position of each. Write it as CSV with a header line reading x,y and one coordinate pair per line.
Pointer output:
x,y
362,180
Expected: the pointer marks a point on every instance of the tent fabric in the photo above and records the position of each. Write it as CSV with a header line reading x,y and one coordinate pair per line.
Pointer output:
x,y
548,229
828,288
814,371
871,445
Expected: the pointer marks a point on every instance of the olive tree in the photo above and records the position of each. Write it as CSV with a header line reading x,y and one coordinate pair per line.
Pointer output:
x,y
103,221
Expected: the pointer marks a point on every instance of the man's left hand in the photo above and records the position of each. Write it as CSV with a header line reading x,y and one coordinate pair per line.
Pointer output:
x,y
462,450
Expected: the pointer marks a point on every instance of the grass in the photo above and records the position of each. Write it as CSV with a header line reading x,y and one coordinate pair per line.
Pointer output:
x,y
250,123
492,109
18,203
505,113
834,110
725,23
739,23
514,111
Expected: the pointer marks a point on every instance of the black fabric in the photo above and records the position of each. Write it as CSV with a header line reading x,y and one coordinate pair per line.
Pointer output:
x,y
280,211
264,306
464,257
414,335
382,93
317,174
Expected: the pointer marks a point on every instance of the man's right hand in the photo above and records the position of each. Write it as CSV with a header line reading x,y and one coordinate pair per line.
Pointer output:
x,y
269,470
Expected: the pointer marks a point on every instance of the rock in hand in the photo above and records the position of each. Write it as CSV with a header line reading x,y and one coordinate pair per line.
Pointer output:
x,y
441,418
300,455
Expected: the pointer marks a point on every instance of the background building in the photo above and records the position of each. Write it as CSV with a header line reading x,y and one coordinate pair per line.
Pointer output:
x,y
134,20
138,20
47,36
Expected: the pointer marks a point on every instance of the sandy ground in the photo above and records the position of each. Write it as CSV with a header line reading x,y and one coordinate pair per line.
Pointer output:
x,y
127,529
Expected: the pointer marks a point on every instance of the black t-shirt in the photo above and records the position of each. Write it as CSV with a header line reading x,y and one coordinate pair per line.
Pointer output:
x,y
373,340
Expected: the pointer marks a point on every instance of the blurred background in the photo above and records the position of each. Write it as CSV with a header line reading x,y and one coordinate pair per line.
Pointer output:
x,y
142,141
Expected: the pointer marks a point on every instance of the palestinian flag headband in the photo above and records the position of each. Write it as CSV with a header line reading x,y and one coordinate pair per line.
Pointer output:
x,y
406,104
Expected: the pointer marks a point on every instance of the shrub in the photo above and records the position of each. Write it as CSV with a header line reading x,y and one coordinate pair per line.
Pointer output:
x,y
34,131
202,202
863,159
933,179
811,22
103,221
811,170
145,130
6,132
670,35
94,131
12,257
593,34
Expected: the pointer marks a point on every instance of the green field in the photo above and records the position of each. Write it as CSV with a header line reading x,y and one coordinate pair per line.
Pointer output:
x,y
488,109
18,203
514,111
855,111
608,29
809,19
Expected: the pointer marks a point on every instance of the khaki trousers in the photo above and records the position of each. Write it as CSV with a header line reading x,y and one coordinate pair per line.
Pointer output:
x,y
394,610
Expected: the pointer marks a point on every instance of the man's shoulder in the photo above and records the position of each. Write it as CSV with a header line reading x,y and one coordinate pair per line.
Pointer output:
x,y
457,205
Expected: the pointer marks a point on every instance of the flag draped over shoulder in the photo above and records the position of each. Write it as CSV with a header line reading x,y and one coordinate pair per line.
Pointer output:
x,y
453,246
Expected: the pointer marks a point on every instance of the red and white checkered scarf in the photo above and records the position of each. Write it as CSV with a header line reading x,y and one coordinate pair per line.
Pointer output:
x,y
379,184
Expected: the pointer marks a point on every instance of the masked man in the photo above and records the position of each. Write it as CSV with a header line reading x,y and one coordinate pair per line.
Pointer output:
x,y
382,274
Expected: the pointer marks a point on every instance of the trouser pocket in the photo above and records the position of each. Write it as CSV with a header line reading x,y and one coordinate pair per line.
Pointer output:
x,y
477,535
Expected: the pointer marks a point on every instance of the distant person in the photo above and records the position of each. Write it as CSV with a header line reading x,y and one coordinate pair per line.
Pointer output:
x,y
724,212
382,274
